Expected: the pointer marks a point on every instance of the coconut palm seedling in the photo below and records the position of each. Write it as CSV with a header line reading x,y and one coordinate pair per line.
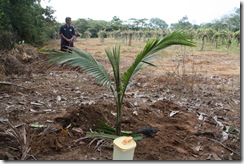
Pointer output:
x,y
86,61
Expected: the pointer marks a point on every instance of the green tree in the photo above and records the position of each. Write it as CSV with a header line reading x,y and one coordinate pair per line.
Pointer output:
x,y
228,36
157,23
183,24
216,37
229,22
237,36
232,21
81,25
94,26
116,24
89,64
26,20
87,34
138,24
6,30
102,34
203,34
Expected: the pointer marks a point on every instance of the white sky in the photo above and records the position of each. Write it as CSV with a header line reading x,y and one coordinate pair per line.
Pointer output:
x,y
197,11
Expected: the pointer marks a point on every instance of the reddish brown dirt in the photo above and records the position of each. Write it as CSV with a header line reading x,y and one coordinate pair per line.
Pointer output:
x,y
58,97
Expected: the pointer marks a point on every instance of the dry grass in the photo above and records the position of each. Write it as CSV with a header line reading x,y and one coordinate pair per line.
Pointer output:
x,y
183,58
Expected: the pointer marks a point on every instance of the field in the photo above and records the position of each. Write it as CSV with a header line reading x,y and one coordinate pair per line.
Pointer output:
x,y
202,88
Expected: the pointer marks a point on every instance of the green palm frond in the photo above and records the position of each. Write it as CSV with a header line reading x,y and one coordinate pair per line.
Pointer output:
x,y
114,58
147,61
147,55
136,137
106,131
84,60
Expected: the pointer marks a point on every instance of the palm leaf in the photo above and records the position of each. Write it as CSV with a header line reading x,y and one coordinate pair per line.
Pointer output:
x,y
84,60
103,127
148,53
114,58
105,130
136,137
102,135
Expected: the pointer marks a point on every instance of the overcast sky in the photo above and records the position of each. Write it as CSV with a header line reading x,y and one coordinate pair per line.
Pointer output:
x,y
197,11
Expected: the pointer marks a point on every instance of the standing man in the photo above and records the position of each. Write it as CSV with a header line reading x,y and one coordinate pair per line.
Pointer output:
x,y
67,33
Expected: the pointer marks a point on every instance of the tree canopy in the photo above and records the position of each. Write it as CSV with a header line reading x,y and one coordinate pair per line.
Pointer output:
x,y
157,23
24,20
183,23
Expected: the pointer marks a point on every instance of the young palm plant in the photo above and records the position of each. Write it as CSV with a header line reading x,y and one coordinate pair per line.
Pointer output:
x,y
84,60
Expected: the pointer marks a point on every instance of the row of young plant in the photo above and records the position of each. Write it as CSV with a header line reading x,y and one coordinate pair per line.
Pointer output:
x,y
212,37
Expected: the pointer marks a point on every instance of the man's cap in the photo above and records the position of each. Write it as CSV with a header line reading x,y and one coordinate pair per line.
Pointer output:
x,y
67,18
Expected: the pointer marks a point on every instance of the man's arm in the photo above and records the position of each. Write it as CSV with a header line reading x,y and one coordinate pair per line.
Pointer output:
x,y
73,34
73,37
68,40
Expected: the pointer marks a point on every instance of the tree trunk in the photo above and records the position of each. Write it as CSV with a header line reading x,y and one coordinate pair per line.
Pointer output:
x,y
238,41
216,43
130,39
126,39
101,39
229,44
202,43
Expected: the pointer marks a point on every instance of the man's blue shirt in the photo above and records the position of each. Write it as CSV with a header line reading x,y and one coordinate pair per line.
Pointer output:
x,y
68,32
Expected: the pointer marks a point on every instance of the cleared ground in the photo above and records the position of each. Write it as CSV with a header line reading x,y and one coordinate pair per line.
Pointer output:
x,y
202,87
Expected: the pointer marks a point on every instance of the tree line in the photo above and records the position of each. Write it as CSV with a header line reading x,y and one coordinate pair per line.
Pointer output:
x,y
224,31
28,21
229,22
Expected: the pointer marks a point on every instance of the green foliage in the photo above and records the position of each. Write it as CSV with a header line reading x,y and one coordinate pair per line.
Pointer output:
x,y
95,26
182,24
157,23
26,20
102,34
229,22
87,62
115,24
6,40
81,25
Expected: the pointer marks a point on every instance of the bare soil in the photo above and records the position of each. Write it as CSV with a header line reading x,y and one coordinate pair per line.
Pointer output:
x,y
202,87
